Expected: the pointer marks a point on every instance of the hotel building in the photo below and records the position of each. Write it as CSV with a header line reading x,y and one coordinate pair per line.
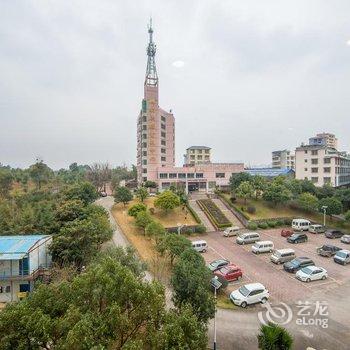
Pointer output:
x,y
156,143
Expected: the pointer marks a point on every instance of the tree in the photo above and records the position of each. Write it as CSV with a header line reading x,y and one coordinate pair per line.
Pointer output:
x,y
40,173
150,184
173,245
167,200
6,180
245,190
122,195
308,201
334,206
136,208
259,185
142,193
191,285
143,218
343,194
274,337
276,194
156,230
83,191
347,216
294,186
308,186
237,179
99,174
325,191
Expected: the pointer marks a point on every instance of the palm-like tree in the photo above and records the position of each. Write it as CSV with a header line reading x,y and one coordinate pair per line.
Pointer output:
x,y
274,337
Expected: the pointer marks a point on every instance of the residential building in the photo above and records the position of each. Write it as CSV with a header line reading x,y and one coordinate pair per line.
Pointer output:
x,y
23,259
196,155
156,144
283,159
270,173
322,165
324,139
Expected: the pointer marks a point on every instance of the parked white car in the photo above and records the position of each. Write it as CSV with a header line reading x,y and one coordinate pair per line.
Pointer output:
x,y
231,231
311,273
250,294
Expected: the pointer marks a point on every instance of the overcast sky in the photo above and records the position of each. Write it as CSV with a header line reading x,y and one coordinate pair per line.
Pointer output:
x,y
243,77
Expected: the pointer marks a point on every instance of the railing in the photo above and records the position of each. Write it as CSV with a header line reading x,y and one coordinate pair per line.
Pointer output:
x,y
5,275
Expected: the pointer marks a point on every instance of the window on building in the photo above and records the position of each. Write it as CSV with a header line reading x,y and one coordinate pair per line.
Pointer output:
x,y
144,144
190,175
305,169
182,176
144,162
326,160
199,157
163,159
172,176
207,151
200,151
163,143
314,179
199,175
305,160
192,156
162,126
327,170
314,170
162,118
144,136
163,134
144,171
144,179
144,118
163,175
206,157
314,152
144,153
220,175
314,161
305,151
163,150
144,127
327,180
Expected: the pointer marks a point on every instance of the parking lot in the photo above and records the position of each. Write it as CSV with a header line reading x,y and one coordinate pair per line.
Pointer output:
x,y
283,286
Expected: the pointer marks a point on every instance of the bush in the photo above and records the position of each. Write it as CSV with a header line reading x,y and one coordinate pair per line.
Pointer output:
x,y
200,229
288,221
252,226
152,210
272,224
136,208
251,209
279,223
233,199
216,216
263,225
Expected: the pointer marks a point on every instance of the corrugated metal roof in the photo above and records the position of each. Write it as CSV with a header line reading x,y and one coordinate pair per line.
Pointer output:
x,y
269,172
17,245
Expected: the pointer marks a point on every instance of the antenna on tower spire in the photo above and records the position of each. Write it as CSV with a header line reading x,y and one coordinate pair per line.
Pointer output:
x,y
151,71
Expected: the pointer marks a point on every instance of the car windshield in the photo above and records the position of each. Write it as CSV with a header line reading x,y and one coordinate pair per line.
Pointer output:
x,y
294,236
244,291
307,270
216,263
224,270
295,262
326,247
341,254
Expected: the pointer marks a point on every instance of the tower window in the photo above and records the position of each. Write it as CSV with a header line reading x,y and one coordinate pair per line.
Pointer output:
x,y
162,118
163,134
163,150
163,159
144,118
144,144
163,142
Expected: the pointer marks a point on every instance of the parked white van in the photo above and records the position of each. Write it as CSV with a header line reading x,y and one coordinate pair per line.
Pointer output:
x,y
248,237
300,224
280,256
262,247
200,246
317,229
231,231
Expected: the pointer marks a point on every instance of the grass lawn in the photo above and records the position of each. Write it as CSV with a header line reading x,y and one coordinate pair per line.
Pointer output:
x,y
265,211
224,302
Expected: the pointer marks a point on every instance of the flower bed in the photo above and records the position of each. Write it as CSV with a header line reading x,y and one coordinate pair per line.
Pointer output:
x,y
214,214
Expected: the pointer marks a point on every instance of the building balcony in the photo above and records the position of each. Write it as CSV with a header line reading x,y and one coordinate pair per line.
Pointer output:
x,y
24,275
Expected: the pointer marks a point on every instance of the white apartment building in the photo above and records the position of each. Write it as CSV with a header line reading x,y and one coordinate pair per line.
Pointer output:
x,y
322,165
196,155
283,159
324,139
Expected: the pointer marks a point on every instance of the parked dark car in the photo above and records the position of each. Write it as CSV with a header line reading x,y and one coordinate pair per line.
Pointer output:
x,y
297,264
327,250
333,234
217,264
297,238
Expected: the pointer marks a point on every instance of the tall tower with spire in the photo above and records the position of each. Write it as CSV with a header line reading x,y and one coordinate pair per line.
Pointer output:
x,y
155,126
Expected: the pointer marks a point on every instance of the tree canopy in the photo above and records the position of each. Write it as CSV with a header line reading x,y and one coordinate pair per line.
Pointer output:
x,y
167,200
122,195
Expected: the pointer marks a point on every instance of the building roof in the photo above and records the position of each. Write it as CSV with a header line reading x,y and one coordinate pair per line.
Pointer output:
x,y
198,147
16,247
269,172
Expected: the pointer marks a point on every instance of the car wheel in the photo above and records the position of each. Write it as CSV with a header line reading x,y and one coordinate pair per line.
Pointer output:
x,y
323,277
308,280
204,250
263,300
244,304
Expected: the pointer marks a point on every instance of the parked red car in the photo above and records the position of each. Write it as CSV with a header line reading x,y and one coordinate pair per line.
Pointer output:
x,y
286,232
229,272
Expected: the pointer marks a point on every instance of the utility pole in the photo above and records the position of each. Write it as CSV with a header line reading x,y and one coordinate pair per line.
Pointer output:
x,y
324,208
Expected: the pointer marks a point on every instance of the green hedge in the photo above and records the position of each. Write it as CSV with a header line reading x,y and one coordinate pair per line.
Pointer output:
x,y
194,214
215,215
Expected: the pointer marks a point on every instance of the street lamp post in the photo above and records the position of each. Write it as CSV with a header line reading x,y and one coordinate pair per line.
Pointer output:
x,y
179,228
324,208
216,284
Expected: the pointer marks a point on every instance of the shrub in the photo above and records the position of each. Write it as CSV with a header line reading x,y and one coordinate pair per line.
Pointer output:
x,y
263,225
279,223
272,224
188,230
252,226
288,221
136,208
233,199
251,209
214,213
200,229
152,210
